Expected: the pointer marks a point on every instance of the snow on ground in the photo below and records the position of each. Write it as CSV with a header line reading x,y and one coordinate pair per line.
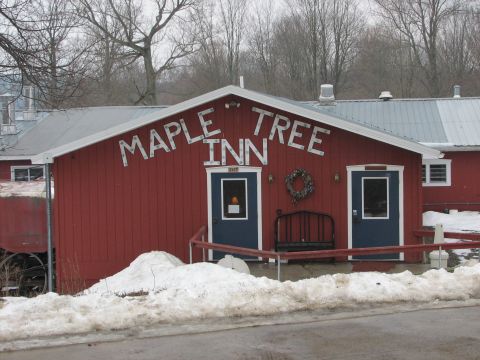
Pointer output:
x,y
23,188
178,292
463,221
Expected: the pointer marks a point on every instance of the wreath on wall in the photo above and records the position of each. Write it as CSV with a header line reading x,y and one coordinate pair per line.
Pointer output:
x,y
307,184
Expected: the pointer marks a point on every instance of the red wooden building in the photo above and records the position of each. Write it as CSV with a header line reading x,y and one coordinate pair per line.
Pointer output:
x,y
221,159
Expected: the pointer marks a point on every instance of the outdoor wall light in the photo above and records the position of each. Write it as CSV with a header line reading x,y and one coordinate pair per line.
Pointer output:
x,y
336,177
232,104
271,178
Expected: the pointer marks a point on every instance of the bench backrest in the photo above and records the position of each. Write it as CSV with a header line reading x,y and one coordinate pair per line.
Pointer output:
x,y
304,226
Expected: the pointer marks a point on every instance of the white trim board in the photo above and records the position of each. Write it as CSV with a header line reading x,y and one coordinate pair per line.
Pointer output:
x,y
278,103
399,168
15,157
239,169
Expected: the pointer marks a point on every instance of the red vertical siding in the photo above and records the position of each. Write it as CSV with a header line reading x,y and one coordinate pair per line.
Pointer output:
x,y
464,192
107,214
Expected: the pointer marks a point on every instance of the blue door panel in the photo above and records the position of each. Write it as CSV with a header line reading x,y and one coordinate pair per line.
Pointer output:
x,y
377,224
241,228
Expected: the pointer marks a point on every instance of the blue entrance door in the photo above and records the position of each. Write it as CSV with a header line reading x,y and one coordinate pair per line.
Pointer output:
x,y
234,208
375,211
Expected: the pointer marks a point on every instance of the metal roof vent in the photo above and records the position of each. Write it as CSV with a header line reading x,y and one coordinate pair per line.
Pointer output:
x,y
385,95
456,91
327,97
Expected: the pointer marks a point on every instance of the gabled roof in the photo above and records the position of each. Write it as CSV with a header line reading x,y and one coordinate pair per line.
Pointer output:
x,y
66,143
446,124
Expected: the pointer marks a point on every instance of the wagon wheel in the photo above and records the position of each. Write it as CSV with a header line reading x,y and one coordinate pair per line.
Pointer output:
x,y
22,274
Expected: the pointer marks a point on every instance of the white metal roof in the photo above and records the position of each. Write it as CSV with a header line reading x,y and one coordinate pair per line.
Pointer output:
x,y
290,106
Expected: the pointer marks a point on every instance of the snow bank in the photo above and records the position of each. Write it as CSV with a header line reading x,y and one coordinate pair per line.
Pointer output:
x,y
464,221
140,276
179,292
23,188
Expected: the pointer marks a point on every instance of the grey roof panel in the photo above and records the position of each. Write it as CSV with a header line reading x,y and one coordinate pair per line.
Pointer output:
x,y
417,120
349,113
64,126
434,121
461,121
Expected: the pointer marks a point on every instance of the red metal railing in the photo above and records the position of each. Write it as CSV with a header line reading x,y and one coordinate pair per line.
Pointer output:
x,y
451,235
198,240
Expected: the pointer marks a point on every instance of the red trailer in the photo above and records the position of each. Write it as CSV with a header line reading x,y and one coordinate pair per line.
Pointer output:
x,y
23,237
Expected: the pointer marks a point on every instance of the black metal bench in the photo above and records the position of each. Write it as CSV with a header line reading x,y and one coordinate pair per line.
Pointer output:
x,y
304,231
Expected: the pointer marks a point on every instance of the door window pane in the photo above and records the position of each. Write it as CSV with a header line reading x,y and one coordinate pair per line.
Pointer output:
x,y
375,198
234,199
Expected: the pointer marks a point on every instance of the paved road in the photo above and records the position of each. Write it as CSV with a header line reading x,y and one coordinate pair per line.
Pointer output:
x,y
452,333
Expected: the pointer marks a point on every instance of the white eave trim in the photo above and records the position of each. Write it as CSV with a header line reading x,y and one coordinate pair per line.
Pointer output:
x,y
452,147
15,157
247,94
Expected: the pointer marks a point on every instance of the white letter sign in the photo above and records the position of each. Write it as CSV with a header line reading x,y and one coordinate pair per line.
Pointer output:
x,y
131,148
160,143
172,134
260,118
295,134
211,143
277,127
314,140
250,146
206,123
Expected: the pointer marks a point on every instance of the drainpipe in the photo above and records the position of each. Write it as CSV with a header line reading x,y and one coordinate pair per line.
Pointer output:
x,y
48,186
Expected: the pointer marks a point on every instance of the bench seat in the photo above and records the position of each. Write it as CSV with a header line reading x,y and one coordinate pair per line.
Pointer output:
x,y
304,231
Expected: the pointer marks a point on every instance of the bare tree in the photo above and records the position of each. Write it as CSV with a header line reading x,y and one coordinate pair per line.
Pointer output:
x,y
18,53
262,44
347,25
61,50
112,65
384,62
331,30
140,32
420,22
456,48
233,21
208,64
292,68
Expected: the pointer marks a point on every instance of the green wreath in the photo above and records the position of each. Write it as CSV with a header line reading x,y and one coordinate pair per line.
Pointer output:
x,y
307,184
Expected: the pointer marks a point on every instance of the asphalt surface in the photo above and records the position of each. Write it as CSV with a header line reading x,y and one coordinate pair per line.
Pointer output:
x,y
449,333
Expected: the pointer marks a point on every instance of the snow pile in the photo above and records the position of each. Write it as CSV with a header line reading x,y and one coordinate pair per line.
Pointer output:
x,y
464,221
140,276
23,188
179,292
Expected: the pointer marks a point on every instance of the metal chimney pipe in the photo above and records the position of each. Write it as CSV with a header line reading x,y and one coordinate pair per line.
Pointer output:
x,y
456,91
327,97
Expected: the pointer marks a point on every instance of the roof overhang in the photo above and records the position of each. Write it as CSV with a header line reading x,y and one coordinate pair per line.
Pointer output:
x,y
449,147
277,103
15,157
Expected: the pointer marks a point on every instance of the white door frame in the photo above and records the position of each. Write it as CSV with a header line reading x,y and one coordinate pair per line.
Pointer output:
x,y
399,169
234,169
